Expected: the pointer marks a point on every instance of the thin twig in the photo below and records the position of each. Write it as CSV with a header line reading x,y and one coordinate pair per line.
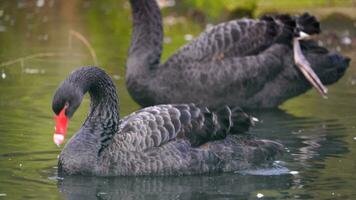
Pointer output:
x,y
37,55
85,42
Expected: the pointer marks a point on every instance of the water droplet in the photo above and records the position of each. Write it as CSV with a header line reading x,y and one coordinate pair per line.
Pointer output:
x,y
3,195
294,172
260,195
354,138
40,3
346,40
102,193
255,119
20,164
3,75
277,162
188,37
116,77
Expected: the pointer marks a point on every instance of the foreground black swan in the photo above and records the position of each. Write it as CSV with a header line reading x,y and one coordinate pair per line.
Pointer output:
x,y
159,140
247,63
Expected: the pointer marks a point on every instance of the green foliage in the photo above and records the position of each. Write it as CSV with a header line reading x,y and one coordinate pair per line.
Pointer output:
x,y
214,8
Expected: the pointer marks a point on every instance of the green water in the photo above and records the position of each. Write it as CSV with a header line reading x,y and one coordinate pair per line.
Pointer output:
x,y
320,134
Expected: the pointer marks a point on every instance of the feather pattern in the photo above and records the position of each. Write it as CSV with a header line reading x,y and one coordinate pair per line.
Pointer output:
x,y
232,63
162,140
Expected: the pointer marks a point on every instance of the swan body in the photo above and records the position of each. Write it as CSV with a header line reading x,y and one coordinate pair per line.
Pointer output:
x,y
246,62
172,139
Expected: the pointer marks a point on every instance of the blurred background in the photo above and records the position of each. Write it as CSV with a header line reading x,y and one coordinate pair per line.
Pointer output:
x,y
42,41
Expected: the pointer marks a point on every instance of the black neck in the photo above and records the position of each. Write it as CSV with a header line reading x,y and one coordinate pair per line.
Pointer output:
x,y
104,103
147,36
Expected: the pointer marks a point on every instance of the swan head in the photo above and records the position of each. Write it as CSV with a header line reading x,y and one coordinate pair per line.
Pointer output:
x,y
67,96
66,101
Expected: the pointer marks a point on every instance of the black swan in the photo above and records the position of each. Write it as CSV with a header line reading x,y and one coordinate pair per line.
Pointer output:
x,y
160,140
247,63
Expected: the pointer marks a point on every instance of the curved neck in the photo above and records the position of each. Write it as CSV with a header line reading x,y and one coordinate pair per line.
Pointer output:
x,y
104,103
147,35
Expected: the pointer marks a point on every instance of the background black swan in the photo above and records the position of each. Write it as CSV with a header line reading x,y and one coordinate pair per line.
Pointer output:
x,y
247,63
160,140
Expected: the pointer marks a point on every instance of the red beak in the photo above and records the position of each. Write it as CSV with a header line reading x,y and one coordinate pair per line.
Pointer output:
x,y
61,127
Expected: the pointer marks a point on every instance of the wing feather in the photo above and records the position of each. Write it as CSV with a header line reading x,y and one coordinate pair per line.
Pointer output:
x,y
244,37
231,39
158,125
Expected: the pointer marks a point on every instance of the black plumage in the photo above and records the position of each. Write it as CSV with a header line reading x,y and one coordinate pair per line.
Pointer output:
x,y
246,62
161,140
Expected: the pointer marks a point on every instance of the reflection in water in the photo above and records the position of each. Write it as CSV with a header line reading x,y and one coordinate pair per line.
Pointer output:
x,y
319,134
309,142
225,186
306,138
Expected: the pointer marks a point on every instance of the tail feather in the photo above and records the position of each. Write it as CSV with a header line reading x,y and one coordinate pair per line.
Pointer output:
x,y
241,122
290,26
308,24
206,125
231,121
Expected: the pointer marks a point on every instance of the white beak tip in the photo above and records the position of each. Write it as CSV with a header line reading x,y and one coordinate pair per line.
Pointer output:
x,y
58,139
303,35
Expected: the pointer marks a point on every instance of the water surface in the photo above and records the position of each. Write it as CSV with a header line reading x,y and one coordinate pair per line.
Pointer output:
x,y
319,134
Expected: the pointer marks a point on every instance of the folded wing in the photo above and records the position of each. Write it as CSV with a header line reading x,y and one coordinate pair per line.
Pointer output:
x,y
157,125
